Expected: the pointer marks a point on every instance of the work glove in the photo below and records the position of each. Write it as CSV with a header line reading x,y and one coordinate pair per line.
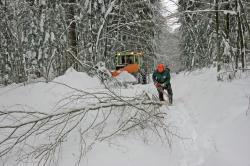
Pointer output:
x,y
157,85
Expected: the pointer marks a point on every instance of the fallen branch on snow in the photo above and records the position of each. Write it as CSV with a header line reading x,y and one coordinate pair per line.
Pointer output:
x,y
105,116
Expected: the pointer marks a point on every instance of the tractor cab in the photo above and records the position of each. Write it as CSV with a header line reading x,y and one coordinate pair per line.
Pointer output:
x,y
130,62
123,59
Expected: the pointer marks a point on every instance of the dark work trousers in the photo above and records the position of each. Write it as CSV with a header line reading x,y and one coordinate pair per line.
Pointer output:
x,y
169,90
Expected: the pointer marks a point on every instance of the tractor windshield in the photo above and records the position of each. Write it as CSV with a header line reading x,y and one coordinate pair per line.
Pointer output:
x,y
122,59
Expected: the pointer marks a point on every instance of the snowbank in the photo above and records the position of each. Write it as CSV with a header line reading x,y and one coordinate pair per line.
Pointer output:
x,y
43,96
78,80
126,77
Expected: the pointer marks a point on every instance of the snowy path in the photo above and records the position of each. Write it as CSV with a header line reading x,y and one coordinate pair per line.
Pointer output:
x,y
209,112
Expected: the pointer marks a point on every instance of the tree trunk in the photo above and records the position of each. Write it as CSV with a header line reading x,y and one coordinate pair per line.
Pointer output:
x,y
217,37
241,43
72,39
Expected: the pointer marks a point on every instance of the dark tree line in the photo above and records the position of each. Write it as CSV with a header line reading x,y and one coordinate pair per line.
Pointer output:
x,y
42,38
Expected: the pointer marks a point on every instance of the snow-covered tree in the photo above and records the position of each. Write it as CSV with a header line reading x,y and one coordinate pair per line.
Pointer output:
x,y
214,31
42,38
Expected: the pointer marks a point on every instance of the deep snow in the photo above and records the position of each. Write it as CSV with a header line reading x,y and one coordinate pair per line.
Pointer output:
x,y
209,116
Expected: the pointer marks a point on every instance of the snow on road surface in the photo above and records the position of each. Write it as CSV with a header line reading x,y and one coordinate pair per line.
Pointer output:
x,y
209,117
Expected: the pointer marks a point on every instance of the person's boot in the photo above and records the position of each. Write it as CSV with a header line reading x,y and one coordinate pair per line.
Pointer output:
x,y
170,98
161,99
161,96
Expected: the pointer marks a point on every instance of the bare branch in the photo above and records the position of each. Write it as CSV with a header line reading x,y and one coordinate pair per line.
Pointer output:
x,y
94,118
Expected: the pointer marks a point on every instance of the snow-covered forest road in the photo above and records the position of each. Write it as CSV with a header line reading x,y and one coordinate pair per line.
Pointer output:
x,y
211,121
213,114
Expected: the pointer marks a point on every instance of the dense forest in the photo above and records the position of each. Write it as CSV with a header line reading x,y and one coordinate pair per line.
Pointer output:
x,y
43,38
215,31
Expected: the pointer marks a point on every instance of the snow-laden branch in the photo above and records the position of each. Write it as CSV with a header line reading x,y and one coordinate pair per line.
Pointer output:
x,y
211,10
110,8
177,14
43,116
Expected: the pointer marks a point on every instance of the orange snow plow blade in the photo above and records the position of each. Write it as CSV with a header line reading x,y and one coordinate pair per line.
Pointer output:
x,y
131,68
